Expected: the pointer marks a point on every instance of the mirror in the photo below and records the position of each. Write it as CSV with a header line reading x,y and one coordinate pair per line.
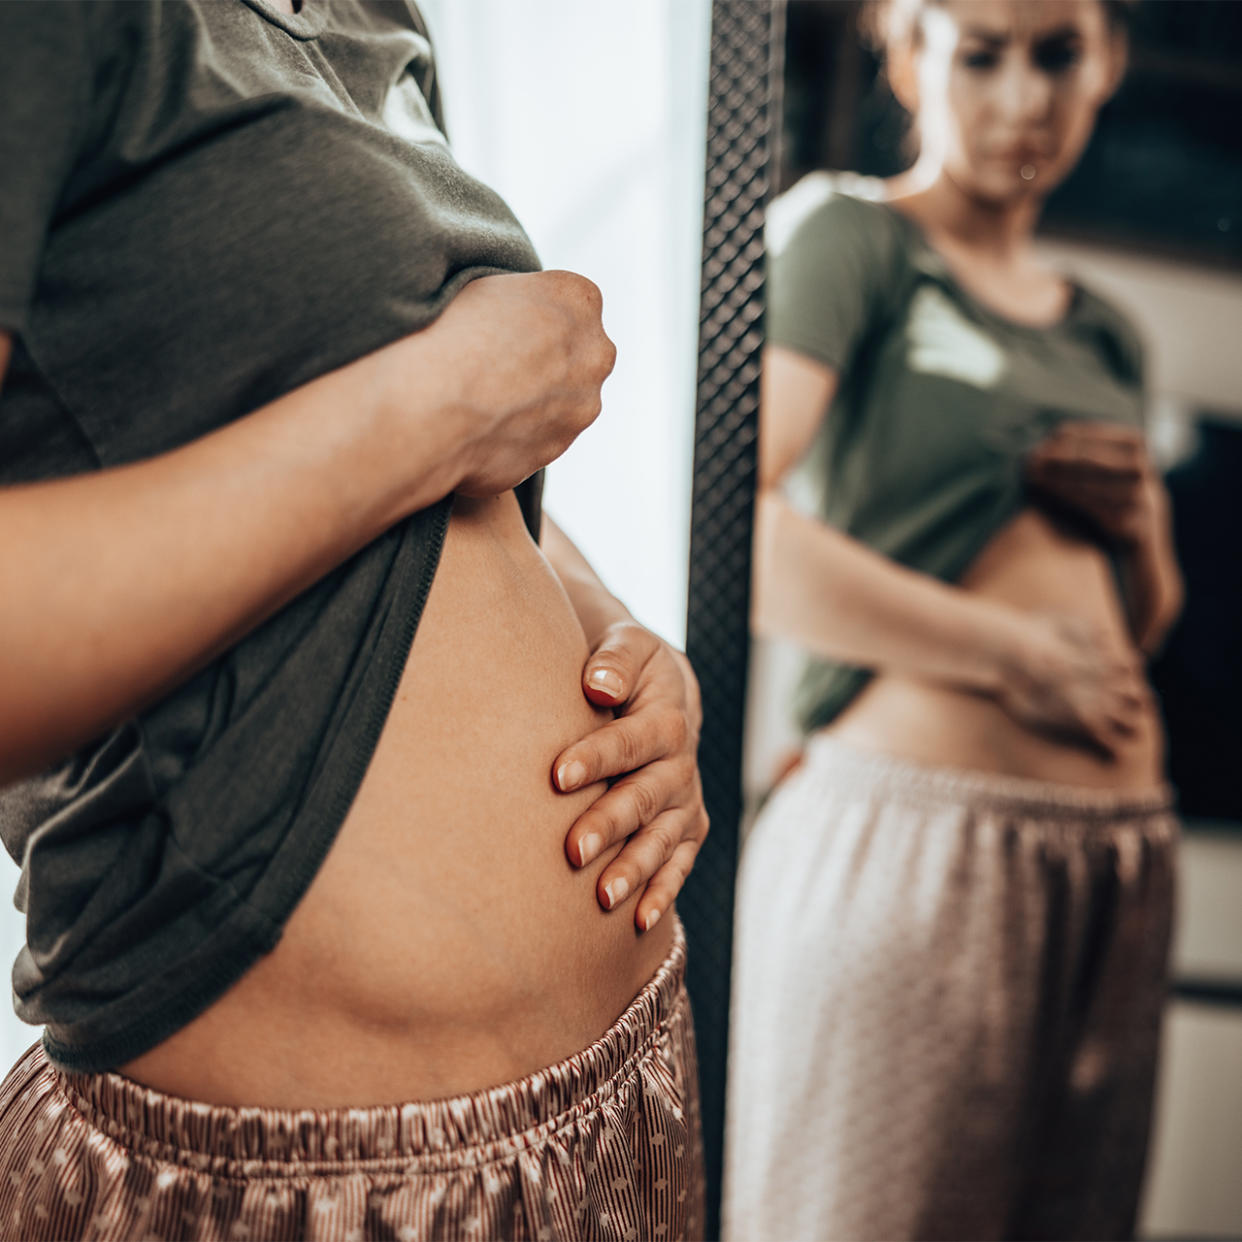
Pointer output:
x,y
973,1029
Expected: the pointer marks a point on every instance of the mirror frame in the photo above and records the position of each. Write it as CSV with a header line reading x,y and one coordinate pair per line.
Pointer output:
x,y
743,111
744,136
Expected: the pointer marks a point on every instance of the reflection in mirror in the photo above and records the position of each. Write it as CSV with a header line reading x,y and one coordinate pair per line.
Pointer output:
x,y
993,713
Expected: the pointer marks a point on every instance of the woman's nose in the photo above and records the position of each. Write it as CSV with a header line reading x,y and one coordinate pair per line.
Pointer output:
x,y
1023,93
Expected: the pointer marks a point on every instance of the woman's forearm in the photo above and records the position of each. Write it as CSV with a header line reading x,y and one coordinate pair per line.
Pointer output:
x,y
597,608
1152,582
838,599
116,586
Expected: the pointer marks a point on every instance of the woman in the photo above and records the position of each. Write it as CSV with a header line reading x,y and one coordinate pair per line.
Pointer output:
x,y
300,890
953,918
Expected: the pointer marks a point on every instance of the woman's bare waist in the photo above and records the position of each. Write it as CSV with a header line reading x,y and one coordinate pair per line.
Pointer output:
x,y
1035,565
446,943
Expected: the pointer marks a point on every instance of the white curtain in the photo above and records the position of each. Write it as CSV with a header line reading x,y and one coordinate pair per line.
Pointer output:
x,y
589,119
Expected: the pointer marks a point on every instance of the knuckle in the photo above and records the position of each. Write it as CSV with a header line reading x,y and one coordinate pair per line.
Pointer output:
x,y
609,816
627,816
580,290
647,801
663,890
688,775
671,883
683,860
629,750
677,731
591,410
666,837
589,291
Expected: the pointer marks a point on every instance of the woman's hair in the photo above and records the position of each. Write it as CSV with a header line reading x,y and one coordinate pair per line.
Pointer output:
x,y
890,23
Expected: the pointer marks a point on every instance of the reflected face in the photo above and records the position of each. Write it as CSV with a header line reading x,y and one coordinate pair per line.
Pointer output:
x,y
1008,90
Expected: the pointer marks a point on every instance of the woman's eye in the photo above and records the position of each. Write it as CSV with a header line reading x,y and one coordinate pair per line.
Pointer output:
x,y
1057,57
980,61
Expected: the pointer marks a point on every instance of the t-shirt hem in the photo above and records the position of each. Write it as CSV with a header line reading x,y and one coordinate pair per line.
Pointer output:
x,y
830,358
289,872
213,970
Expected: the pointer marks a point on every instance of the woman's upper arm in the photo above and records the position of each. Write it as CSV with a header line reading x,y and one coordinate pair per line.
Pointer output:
x,y
831,265
794,394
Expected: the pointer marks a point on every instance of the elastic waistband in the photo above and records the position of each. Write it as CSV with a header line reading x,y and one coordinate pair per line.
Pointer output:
x,y
846,768
437,1135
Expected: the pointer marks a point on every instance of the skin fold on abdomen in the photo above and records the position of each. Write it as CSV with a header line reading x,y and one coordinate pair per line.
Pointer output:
x,y
1032,564
446,944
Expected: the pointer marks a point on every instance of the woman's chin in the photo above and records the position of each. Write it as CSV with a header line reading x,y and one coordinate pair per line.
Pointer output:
x,y
1010,186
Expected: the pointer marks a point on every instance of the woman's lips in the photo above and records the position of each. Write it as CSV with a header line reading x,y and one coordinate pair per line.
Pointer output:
x,y
1021,155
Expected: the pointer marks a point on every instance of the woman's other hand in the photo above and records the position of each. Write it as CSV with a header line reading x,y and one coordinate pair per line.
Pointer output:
x,y
655,803
515,364
1061,675
1102,472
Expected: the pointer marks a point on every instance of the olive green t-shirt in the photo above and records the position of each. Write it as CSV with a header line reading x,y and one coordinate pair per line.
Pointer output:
x,y
939,398
203,205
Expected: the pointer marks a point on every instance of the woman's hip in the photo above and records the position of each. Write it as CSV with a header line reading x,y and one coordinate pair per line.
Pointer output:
x,y
932,868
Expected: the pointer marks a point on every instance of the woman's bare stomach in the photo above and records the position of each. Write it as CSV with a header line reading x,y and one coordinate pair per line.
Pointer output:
x,y
446,943
1032,564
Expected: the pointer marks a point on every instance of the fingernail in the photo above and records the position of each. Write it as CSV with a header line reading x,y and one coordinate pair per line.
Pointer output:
x,y
653,917
589,847
606,680
616,891
570,775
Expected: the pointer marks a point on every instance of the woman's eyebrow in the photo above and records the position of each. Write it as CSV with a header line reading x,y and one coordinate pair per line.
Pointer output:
x,y
985,35
995,38
1059,34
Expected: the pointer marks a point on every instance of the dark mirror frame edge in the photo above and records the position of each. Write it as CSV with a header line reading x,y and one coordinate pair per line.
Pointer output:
x,y
747,50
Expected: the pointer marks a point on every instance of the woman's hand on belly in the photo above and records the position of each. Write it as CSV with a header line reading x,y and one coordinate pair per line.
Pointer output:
x,y
1061,696
655,804
1061,675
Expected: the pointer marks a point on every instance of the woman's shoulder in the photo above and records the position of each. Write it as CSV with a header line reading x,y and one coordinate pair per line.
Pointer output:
x,y
834,209
839,266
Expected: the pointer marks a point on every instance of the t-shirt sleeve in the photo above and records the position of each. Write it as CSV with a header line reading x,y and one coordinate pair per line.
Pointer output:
x,y
429,82
1125,346
45,84
826,277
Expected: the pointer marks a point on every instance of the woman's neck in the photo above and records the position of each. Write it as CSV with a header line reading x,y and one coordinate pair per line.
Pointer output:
x,y
988,249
